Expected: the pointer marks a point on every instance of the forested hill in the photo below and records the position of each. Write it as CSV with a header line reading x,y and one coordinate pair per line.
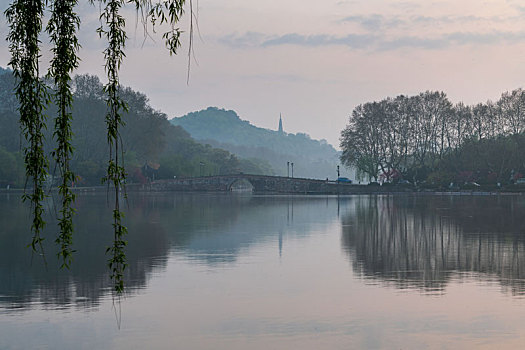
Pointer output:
x,y
148,138
225,129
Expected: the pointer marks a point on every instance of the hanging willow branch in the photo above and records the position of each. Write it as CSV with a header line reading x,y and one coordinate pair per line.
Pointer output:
x,y
113,29
25,23
114,32
62,29
165,12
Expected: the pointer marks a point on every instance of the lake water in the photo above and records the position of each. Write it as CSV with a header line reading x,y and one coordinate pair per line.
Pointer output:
x,y
209,271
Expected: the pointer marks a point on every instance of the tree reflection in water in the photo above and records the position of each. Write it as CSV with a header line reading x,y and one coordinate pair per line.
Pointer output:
x,y
423,241
206,229
26,280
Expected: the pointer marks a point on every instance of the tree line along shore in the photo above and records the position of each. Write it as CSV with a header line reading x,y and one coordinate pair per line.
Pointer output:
x,y
427,141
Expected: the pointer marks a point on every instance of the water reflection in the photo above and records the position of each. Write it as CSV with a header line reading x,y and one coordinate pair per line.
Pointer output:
x,y
26,280
215,230
212,230
425,241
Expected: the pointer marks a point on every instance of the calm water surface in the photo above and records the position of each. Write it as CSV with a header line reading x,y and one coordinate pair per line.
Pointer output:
x,y
273,272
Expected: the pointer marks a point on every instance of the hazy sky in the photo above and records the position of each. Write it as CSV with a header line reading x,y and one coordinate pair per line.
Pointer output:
x,y
314,61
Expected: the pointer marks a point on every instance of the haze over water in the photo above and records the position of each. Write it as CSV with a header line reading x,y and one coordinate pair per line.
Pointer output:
x,y
211,271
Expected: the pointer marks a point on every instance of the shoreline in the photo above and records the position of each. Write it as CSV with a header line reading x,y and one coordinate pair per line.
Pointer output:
x,y
363,190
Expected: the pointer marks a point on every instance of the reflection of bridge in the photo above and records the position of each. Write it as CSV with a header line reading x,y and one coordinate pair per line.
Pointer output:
x,y
259,184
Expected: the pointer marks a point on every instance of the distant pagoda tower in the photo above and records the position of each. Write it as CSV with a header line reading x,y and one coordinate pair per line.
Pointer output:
x,y
280,124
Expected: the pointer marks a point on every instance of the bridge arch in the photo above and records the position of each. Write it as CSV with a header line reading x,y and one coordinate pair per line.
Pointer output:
x,y
240,185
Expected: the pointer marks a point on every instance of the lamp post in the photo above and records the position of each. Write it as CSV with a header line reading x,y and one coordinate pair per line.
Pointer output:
x,y
201,164
292,169
338,190
287,169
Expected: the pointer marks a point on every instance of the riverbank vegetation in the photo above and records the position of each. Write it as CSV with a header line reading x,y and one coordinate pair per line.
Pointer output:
x,y
149,140
426,140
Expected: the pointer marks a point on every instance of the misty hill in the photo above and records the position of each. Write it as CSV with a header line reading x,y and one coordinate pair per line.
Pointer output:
x,y
147,138
225,129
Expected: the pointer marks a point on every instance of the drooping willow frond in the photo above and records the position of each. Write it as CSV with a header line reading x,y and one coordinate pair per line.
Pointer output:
x,y
25,23
62,28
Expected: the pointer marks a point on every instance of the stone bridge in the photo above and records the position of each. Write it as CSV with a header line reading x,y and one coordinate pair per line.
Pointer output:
x,y
259,184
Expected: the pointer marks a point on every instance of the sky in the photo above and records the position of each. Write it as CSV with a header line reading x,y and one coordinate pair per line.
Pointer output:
x,y
315,61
